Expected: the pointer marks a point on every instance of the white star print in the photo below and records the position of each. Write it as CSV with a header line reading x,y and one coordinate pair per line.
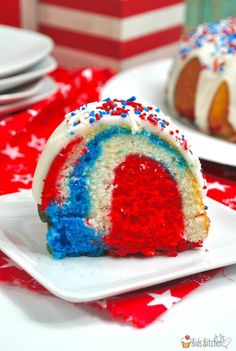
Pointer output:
x,y
20,167
2,123
15,167
217,186
64,88
102,303
230,202
9,263
12,152
22,178
165,299
33,112
87,73
129,319
37,143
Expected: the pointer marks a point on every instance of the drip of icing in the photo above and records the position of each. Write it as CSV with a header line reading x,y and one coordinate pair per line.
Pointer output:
x,y
214,44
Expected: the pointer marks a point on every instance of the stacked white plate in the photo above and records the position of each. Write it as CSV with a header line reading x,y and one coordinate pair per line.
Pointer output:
x,y
25,62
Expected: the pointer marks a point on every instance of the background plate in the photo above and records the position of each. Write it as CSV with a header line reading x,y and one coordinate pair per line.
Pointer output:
x,y
47,88
42,68
147,82
80,279
21,93
20,49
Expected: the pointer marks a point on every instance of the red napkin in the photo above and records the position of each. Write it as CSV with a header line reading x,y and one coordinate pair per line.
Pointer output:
x,y
23,136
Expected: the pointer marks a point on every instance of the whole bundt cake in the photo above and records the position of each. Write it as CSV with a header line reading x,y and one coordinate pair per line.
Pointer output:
x,y
202,83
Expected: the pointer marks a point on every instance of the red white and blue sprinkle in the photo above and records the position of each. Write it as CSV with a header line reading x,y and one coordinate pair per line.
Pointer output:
x,y
220,34
124,108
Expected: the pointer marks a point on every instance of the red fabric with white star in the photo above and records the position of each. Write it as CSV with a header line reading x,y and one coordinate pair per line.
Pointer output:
x,y
23,136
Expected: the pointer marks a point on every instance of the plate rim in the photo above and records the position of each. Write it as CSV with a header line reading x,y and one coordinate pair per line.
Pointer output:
x,y
25,76
30,90
93,295
109,292
31,100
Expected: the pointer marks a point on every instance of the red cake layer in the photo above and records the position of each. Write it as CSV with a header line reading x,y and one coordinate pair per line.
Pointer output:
x,y
50,189
147,214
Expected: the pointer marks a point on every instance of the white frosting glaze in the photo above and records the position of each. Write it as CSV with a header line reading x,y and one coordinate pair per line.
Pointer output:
x,y
78,123
218,66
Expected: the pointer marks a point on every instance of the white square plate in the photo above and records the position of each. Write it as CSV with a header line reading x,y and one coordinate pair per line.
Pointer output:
x,y
81,279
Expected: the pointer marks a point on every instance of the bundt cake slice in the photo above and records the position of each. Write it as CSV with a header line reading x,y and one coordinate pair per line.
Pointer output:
x,y
201,85
118,178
